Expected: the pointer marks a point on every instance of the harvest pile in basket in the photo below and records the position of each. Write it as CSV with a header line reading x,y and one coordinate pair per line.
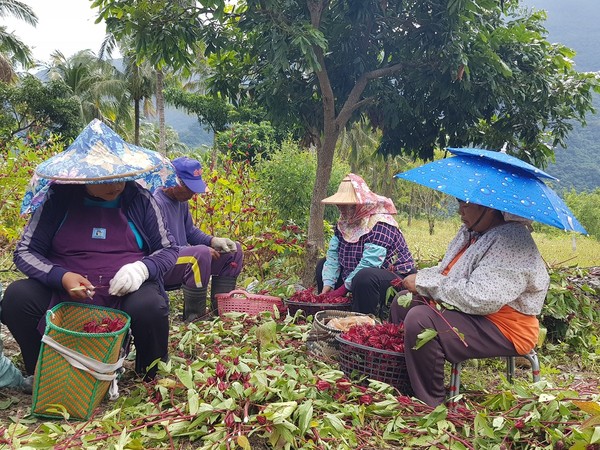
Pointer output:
x,y
383,336
310,296
375,352
106,325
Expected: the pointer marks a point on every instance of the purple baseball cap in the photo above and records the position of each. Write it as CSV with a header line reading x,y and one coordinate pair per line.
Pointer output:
x,y
190,172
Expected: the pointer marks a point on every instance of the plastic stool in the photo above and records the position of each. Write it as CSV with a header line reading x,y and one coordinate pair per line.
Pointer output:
x,y
510,372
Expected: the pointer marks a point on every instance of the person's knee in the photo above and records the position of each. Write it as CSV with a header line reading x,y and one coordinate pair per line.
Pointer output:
x,y
17,297
364,277
418,318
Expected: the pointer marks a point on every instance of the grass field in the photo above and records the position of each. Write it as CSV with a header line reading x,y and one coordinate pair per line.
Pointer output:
x,y
559,249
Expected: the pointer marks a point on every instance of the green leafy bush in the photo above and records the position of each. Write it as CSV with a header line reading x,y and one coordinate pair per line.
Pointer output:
x,y
586,207
235,206
571,311
288,176
18,159
246,140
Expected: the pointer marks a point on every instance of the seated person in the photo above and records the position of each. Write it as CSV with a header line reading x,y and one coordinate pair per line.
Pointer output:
x,y
200,255
100,231
367,250
491,284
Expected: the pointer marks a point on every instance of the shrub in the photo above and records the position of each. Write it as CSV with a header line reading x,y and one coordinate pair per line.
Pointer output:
x,y
586,207
288,176
18,160
246,140
236,207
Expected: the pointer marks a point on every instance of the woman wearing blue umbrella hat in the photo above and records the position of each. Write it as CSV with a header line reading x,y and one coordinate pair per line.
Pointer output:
x,y
491,283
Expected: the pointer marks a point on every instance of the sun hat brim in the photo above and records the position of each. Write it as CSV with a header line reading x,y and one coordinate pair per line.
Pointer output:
x,y
99,155
345,195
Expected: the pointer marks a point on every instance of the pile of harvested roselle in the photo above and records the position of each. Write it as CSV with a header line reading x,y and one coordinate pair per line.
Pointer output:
x,y
383,336
310,296
106,325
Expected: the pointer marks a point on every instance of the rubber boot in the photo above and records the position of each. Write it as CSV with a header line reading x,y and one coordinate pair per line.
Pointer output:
x,y
194,303
220,285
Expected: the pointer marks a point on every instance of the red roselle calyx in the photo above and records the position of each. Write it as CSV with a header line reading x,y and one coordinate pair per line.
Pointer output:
x,y
323,385
365,399
385,336
310,296
106,325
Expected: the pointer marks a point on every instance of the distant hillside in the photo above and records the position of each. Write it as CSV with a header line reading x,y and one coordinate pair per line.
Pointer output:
x,y
574,23
191,133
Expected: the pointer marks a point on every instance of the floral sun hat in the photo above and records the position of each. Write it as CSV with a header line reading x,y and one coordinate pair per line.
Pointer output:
x,y
99,155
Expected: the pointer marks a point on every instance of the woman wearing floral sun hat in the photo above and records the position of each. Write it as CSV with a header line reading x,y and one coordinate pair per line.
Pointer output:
x,y
97,237
367,250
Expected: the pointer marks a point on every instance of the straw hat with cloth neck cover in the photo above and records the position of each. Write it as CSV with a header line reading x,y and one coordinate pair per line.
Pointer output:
x,y
360,208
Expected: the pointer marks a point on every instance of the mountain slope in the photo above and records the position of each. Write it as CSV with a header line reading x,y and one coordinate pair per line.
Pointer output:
x,y
574,24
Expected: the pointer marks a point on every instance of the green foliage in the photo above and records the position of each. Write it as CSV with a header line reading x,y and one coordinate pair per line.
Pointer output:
x,y
246,141
165,33
216,389
236,207
18,159
571,310
32,105
586,207
211,111
288,176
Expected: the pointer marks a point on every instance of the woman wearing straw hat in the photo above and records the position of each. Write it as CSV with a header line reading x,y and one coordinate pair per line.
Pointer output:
x,y
367,250
98,237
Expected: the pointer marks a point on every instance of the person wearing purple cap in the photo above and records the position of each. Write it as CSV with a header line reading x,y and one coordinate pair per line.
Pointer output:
x,y
200,255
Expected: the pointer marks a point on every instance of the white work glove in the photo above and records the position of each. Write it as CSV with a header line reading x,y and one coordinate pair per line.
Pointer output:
x,y
223,245
129,278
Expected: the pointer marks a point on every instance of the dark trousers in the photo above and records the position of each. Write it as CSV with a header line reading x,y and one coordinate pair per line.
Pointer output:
x,y
426,365
26,301
369,287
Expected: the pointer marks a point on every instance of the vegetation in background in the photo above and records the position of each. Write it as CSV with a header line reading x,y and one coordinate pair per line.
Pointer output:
x,y
33,106
246,141
288,175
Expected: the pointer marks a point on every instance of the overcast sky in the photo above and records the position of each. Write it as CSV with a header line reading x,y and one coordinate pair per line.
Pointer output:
x,y
65,25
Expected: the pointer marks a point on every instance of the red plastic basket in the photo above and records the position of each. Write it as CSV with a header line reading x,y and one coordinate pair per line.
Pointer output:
x,y
242,301
310,309
381,365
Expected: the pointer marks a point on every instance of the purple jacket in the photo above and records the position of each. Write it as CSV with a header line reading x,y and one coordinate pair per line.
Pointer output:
x,y
31,253
179,221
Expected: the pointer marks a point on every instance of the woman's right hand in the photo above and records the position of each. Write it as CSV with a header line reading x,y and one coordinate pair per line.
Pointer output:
x,y
77,286
410,283
326,289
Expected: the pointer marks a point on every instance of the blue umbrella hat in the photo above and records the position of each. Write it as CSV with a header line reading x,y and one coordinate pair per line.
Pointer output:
x,y
98,155
498,181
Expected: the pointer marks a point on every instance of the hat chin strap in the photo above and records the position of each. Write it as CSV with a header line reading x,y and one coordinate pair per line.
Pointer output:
x,y
470,229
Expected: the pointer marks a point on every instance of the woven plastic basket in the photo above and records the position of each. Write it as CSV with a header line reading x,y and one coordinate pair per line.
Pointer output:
x,y
310,309
242,301
59,386
381,365
321,340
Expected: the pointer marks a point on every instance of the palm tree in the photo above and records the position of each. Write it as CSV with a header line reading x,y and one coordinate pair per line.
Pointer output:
x,y
97,86
12,49
139,79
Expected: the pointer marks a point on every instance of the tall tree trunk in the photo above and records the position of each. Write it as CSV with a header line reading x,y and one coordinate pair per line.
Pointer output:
x,y
160,109
316,236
